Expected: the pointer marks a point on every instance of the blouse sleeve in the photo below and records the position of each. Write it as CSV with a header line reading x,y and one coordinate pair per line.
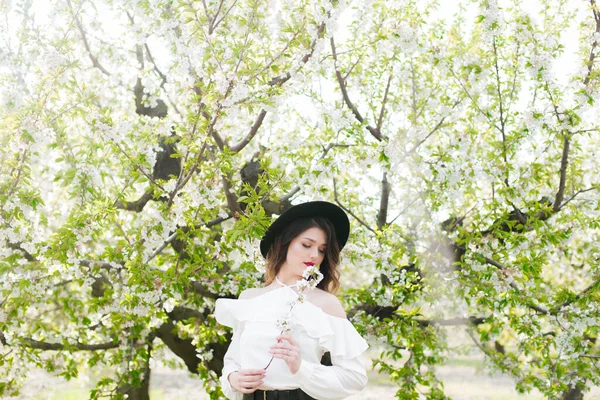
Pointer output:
x,y
347,376
231,360
231,364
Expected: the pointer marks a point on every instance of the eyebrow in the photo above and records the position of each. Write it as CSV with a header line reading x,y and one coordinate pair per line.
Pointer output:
x,y
314,241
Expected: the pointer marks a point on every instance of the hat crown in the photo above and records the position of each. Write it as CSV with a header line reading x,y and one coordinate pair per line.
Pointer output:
x,y
312,209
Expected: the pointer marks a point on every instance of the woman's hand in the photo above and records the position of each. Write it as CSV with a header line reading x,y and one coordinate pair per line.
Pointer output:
x,y
287,350
246,380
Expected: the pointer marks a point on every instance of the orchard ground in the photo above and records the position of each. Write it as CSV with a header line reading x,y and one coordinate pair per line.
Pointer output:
x,y
463,378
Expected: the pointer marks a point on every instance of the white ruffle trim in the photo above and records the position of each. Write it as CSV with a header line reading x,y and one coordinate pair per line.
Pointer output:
x,y
336,335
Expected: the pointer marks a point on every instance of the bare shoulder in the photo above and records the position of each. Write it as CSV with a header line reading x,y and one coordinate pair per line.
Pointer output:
x,y
252,292
327,302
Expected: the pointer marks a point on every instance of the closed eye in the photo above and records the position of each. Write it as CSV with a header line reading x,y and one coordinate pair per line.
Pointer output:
x,y
306,246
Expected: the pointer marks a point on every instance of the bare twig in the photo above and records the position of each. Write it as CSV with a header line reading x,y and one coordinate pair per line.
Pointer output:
x,y
575,195
19,172
277,57
592,56
139,168
95,61
483,349
486,115
281,79
501,110
174,236
216,24
331,146
439,125
347,210
351,67
208,17
383,103
156,69
583,293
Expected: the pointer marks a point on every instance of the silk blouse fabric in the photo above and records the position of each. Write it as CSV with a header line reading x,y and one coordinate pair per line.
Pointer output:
x,y
254,323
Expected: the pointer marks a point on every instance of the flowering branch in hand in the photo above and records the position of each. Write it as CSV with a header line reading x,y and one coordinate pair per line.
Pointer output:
x,y
310,279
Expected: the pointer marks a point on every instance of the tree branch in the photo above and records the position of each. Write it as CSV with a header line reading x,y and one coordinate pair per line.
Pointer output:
x,y
473,100
281,79
183,348
513,285
26,254
39,345
95,62
374,131
386,189
232,199
19,172
214,25
289,195
452,321
137,205
385,98
501,110
564,162
578,297
236,148
483,349
575,195
277,57
435,129
163,77
174,236
592,56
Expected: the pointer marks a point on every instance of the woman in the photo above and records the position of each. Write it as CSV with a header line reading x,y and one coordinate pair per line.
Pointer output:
x,y
264,362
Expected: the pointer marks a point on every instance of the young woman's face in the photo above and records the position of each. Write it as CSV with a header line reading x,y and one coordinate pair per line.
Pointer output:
x,y
306,248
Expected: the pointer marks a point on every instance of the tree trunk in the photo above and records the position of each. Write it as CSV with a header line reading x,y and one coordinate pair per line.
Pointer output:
x,y
141,392
574,393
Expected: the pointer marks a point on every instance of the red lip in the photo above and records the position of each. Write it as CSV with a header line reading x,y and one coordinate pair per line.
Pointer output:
x,y
309,264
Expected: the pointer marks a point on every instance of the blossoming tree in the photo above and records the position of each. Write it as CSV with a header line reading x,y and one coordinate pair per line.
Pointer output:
x,y
148,143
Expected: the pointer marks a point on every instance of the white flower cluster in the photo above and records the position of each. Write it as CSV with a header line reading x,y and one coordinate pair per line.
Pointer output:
x,y
493,20
310,279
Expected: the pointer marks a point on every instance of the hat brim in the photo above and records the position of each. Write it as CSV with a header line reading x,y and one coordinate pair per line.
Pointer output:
x,y
322,209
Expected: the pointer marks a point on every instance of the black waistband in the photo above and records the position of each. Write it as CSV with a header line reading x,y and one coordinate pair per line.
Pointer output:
x,y
293,394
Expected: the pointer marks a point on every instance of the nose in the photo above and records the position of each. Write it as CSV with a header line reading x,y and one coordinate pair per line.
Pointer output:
x,y
314,253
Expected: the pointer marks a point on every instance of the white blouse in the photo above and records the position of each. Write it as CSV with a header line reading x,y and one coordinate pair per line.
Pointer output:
x,y
254,323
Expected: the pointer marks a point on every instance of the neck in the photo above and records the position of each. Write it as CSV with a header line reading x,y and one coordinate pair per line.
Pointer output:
x,y
287,280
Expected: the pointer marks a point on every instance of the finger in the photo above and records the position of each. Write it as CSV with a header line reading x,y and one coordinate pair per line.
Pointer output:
x,y
251,379
250,388
252,371
289,338
255,386
280,348
283,353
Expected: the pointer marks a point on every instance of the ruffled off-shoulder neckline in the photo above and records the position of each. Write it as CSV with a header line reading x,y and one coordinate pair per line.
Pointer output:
x,y
337,335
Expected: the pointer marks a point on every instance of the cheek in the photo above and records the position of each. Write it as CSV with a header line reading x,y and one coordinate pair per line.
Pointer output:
x,y
294,251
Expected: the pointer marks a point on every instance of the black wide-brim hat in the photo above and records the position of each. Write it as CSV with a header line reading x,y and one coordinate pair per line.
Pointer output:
x,y
322,209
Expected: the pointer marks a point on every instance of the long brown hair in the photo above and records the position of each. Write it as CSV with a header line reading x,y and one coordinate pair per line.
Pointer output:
x,y
329,267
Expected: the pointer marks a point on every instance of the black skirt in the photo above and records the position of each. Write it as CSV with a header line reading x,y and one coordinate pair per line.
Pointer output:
x,y
295,394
